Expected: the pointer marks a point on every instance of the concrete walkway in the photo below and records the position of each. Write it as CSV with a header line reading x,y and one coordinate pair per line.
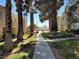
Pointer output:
x,y
42,50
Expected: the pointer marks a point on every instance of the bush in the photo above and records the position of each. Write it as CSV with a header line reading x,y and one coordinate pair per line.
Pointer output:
x,y
54,35
75,31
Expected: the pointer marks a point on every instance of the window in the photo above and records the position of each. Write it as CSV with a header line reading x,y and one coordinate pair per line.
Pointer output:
x,y
0,15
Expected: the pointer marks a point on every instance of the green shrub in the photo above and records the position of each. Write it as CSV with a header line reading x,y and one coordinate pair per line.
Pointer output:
x,y
57,35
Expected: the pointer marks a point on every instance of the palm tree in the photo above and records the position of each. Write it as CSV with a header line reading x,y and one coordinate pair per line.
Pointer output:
x,y
20,20
8,39
31,19
29,8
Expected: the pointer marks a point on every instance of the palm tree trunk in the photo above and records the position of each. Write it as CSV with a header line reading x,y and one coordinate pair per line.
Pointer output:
x,y
20,20
8,39
31,24
31,20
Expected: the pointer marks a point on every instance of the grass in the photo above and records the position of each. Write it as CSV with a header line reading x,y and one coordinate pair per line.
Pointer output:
x,y
45,35
69,49
1,46
24,48
17,56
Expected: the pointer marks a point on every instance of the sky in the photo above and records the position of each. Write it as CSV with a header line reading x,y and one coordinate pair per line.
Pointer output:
x,y
36,16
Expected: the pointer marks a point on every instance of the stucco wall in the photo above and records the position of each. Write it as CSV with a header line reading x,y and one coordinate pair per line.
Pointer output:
x,y
2,20
14,21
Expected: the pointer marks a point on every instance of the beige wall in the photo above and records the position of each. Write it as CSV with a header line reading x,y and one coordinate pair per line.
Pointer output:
x,y
2,19
24,25
14,21
62,23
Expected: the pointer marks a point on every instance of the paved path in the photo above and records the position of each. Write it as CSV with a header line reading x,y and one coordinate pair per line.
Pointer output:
x,y
42,50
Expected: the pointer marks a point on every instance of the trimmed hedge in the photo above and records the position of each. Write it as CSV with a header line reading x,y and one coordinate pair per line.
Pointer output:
x,y
57,35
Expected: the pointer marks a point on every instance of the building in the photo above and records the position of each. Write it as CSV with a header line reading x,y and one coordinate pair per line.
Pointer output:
x,y
62,23
14,21
70,18
2,18
73,9
15,24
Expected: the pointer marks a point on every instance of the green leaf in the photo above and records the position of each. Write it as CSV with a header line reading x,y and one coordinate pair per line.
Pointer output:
x,y
54,1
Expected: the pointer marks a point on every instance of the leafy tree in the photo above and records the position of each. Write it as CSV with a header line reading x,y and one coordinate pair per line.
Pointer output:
x,y
48,9
31,18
